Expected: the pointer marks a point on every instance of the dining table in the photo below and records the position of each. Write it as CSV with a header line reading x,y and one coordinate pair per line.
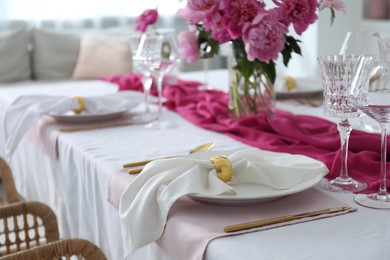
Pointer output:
x,y
79,174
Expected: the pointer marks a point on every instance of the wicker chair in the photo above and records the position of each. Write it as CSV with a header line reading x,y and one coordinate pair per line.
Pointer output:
x,y
25,225
9,194
62,249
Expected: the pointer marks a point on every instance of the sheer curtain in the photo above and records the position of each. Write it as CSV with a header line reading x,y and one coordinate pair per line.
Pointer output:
x,y
60,14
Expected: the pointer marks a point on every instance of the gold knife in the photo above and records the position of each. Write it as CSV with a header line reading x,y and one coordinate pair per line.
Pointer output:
x,y
265,222
93,126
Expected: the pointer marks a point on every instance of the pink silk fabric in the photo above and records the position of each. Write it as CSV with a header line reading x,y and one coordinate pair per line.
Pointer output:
x,y
285,132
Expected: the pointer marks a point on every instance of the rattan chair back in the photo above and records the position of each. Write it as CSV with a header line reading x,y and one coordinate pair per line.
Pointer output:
x,y
25,225
9,193
63,249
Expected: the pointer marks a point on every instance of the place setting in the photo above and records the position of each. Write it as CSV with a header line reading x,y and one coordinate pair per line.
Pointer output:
x,y
298,87
43,117
262,184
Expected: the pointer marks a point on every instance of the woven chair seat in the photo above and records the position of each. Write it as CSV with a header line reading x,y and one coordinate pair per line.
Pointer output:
x,y
62,249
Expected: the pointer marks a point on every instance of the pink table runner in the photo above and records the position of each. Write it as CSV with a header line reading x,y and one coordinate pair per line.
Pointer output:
x,y
46,131
286,132
193,225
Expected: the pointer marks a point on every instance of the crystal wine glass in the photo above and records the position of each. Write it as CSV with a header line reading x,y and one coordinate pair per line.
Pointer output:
x,y
375,104
159,53
337,72
147,80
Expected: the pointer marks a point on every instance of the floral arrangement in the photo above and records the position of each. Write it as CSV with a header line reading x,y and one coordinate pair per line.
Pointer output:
x,y
257,34
148,17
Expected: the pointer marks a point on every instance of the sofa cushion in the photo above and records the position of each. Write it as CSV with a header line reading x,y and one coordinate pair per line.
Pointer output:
x,y
102,56
54,54
14,56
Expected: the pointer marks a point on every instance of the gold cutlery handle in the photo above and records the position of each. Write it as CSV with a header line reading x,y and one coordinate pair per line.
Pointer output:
x,y
80,128
134,164
135,171
94,126
265,222
201,148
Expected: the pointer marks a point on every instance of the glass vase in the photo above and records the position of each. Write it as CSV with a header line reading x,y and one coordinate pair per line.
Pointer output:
x,y
251,91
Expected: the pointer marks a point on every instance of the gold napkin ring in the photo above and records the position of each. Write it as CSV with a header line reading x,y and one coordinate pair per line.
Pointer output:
x,y
223,168
81,102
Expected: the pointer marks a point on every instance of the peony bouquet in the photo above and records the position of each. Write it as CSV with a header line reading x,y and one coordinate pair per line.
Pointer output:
x,y
258,36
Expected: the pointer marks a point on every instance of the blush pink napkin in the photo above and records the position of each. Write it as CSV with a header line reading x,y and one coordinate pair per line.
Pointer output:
x,y
285,132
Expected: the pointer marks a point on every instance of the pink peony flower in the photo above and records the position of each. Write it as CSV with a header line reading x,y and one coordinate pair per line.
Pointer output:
x,y
201,5
190,15
239,12
188,46
264,38
214,23
300,13
147,18
197,10
334,4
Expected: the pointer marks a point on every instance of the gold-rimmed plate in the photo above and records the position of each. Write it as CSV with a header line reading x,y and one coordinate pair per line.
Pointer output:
x,y
71,117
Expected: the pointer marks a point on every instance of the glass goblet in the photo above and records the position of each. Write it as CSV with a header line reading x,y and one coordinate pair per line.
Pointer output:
x,y
159,53
362,42
337,72
375,104
147,80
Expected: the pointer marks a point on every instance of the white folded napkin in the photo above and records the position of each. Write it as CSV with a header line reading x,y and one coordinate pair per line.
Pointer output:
x,y
145,204
26,110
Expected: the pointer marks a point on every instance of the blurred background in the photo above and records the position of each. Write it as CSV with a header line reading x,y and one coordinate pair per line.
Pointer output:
x,y
119,15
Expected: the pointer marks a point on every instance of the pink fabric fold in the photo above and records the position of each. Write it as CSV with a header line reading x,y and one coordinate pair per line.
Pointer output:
x,y
285,132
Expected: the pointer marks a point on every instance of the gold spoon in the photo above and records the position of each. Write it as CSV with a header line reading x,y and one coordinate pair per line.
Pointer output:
x,y
202,148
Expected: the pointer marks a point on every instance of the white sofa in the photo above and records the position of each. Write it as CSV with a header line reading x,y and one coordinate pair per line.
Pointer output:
x,y
28,54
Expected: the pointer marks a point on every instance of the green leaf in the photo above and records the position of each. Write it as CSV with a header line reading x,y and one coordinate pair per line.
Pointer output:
x,y
332,16
290,46
268,69
208,46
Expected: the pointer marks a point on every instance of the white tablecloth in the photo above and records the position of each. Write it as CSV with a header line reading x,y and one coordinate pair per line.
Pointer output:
x,y
76,187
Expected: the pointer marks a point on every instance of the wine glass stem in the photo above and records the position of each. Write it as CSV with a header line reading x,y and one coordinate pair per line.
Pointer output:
x,y
160,77
382,186
147,83
345,129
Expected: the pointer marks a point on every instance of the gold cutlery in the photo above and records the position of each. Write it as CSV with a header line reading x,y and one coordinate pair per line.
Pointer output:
x,y
91,127
309,102
265,222
201,148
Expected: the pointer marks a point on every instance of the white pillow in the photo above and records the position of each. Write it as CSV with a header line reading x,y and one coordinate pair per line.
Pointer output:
x,y
54,54
14,56
102,56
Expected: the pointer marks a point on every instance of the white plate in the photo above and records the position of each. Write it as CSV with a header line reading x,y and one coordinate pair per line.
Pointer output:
x,y
249,194
306,88
72,117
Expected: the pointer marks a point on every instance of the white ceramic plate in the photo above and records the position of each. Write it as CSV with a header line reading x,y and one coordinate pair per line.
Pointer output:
x,y
306,88
71,117
249,194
